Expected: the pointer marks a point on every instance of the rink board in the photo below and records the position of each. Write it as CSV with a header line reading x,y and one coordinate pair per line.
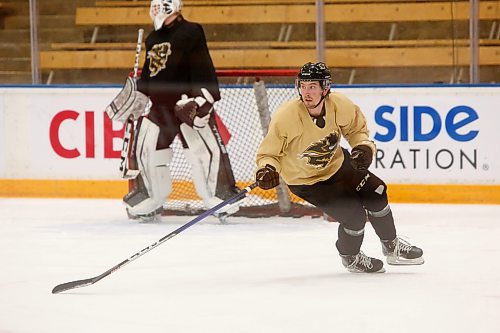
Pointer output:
x,y
436,143
402,193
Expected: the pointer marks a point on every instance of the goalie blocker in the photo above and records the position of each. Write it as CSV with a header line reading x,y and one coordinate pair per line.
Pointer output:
x,y
128,103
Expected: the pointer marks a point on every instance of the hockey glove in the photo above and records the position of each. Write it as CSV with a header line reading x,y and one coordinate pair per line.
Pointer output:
x,y
267,177
361,157
195,111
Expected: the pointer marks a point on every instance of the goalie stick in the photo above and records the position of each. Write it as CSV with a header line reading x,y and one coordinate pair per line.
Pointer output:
x,y
129,135
83,283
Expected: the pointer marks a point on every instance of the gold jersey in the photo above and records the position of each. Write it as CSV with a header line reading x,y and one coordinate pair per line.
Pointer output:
x,y
304,153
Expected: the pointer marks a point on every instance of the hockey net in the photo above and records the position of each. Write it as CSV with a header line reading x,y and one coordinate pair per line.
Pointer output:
x,y
245,108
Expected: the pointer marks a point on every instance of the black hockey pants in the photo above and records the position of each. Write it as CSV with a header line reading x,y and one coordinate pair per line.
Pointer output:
x,y
347,196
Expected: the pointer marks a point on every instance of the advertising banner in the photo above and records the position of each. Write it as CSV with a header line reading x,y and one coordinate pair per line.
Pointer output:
x,y
433,135
424,135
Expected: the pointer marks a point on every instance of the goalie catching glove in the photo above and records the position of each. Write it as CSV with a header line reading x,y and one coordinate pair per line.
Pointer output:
x,y
128,102
267,177
195,111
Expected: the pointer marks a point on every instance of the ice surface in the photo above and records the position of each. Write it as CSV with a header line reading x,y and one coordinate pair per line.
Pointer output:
x,y
253,275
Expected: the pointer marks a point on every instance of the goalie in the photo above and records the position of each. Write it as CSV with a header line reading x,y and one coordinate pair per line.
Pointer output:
x,y
179,79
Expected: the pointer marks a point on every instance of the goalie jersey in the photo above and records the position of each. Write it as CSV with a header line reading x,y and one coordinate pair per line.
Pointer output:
x,y
177,62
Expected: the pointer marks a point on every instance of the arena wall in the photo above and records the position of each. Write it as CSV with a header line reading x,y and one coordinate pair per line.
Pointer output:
x,y
436,143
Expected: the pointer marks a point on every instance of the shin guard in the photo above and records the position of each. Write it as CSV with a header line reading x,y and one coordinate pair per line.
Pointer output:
x,y
209,170
154,182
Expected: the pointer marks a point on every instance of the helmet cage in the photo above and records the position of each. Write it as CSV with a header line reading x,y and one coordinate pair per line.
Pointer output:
x,y
160,10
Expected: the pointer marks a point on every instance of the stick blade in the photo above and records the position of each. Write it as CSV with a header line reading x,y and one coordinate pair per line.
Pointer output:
x,y
72,285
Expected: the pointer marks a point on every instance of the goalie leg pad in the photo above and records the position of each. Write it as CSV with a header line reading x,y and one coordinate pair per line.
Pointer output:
x,y
154,183
204,156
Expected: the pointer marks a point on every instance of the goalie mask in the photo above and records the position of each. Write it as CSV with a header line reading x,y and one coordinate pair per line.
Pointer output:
x,y
160,10
314,72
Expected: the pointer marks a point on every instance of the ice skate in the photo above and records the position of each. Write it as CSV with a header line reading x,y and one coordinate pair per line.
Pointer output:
x,y
400,252
222,217
223,213
154,216
360,263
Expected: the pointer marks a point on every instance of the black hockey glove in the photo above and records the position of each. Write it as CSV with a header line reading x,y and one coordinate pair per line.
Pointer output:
x,y
361,157
195,111
186,111
267,177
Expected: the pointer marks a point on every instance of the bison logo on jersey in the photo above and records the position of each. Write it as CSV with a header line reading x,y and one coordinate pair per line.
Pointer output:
x,y
158,56
320,153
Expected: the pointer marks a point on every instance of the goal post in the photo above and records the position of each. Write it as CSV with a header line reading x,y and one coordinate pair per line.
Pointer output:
x,y
245,108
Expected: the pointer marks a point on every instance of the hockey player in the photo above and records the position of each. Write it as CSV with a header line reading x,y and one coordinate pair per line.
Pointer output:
x,y
179,78
303,147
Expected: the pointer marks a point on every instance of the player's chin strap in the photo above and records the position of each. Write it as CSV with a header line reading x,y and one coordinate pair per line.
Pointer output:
x,y
320,100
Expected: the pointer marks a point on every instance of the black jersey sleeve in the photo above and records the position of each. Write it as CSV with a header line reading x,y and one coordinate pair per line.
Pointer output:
x,y
202,70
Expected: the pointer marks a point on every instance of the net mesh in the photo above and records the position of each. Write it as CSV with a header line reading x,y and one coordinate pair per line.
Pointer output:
x,y
240,114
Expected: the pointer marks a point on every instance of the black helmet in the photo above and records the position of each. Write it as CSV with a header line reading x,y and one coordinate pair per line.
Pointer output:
x,y
315,72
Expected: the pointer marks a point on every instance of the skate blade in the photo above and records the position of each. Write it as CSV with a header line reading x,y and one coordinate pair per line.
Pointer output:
x,y
223,219
382,270
401,262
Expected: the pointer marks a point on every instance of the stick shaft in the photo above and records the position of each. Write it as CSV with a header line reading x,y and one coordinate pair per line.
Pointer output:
x,y
82,283
130,125
140,35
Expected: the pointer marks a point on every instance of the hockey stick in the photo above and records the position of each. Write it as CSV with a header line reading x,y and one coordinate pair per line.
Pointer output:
x,y
138,47
129,135
83,283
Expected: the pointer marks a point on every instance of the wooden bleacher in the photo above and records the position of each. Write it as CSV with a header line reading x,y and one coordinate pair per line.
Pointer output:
x,y
146,3
295,13
289,45
286,57
288,54
5,9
